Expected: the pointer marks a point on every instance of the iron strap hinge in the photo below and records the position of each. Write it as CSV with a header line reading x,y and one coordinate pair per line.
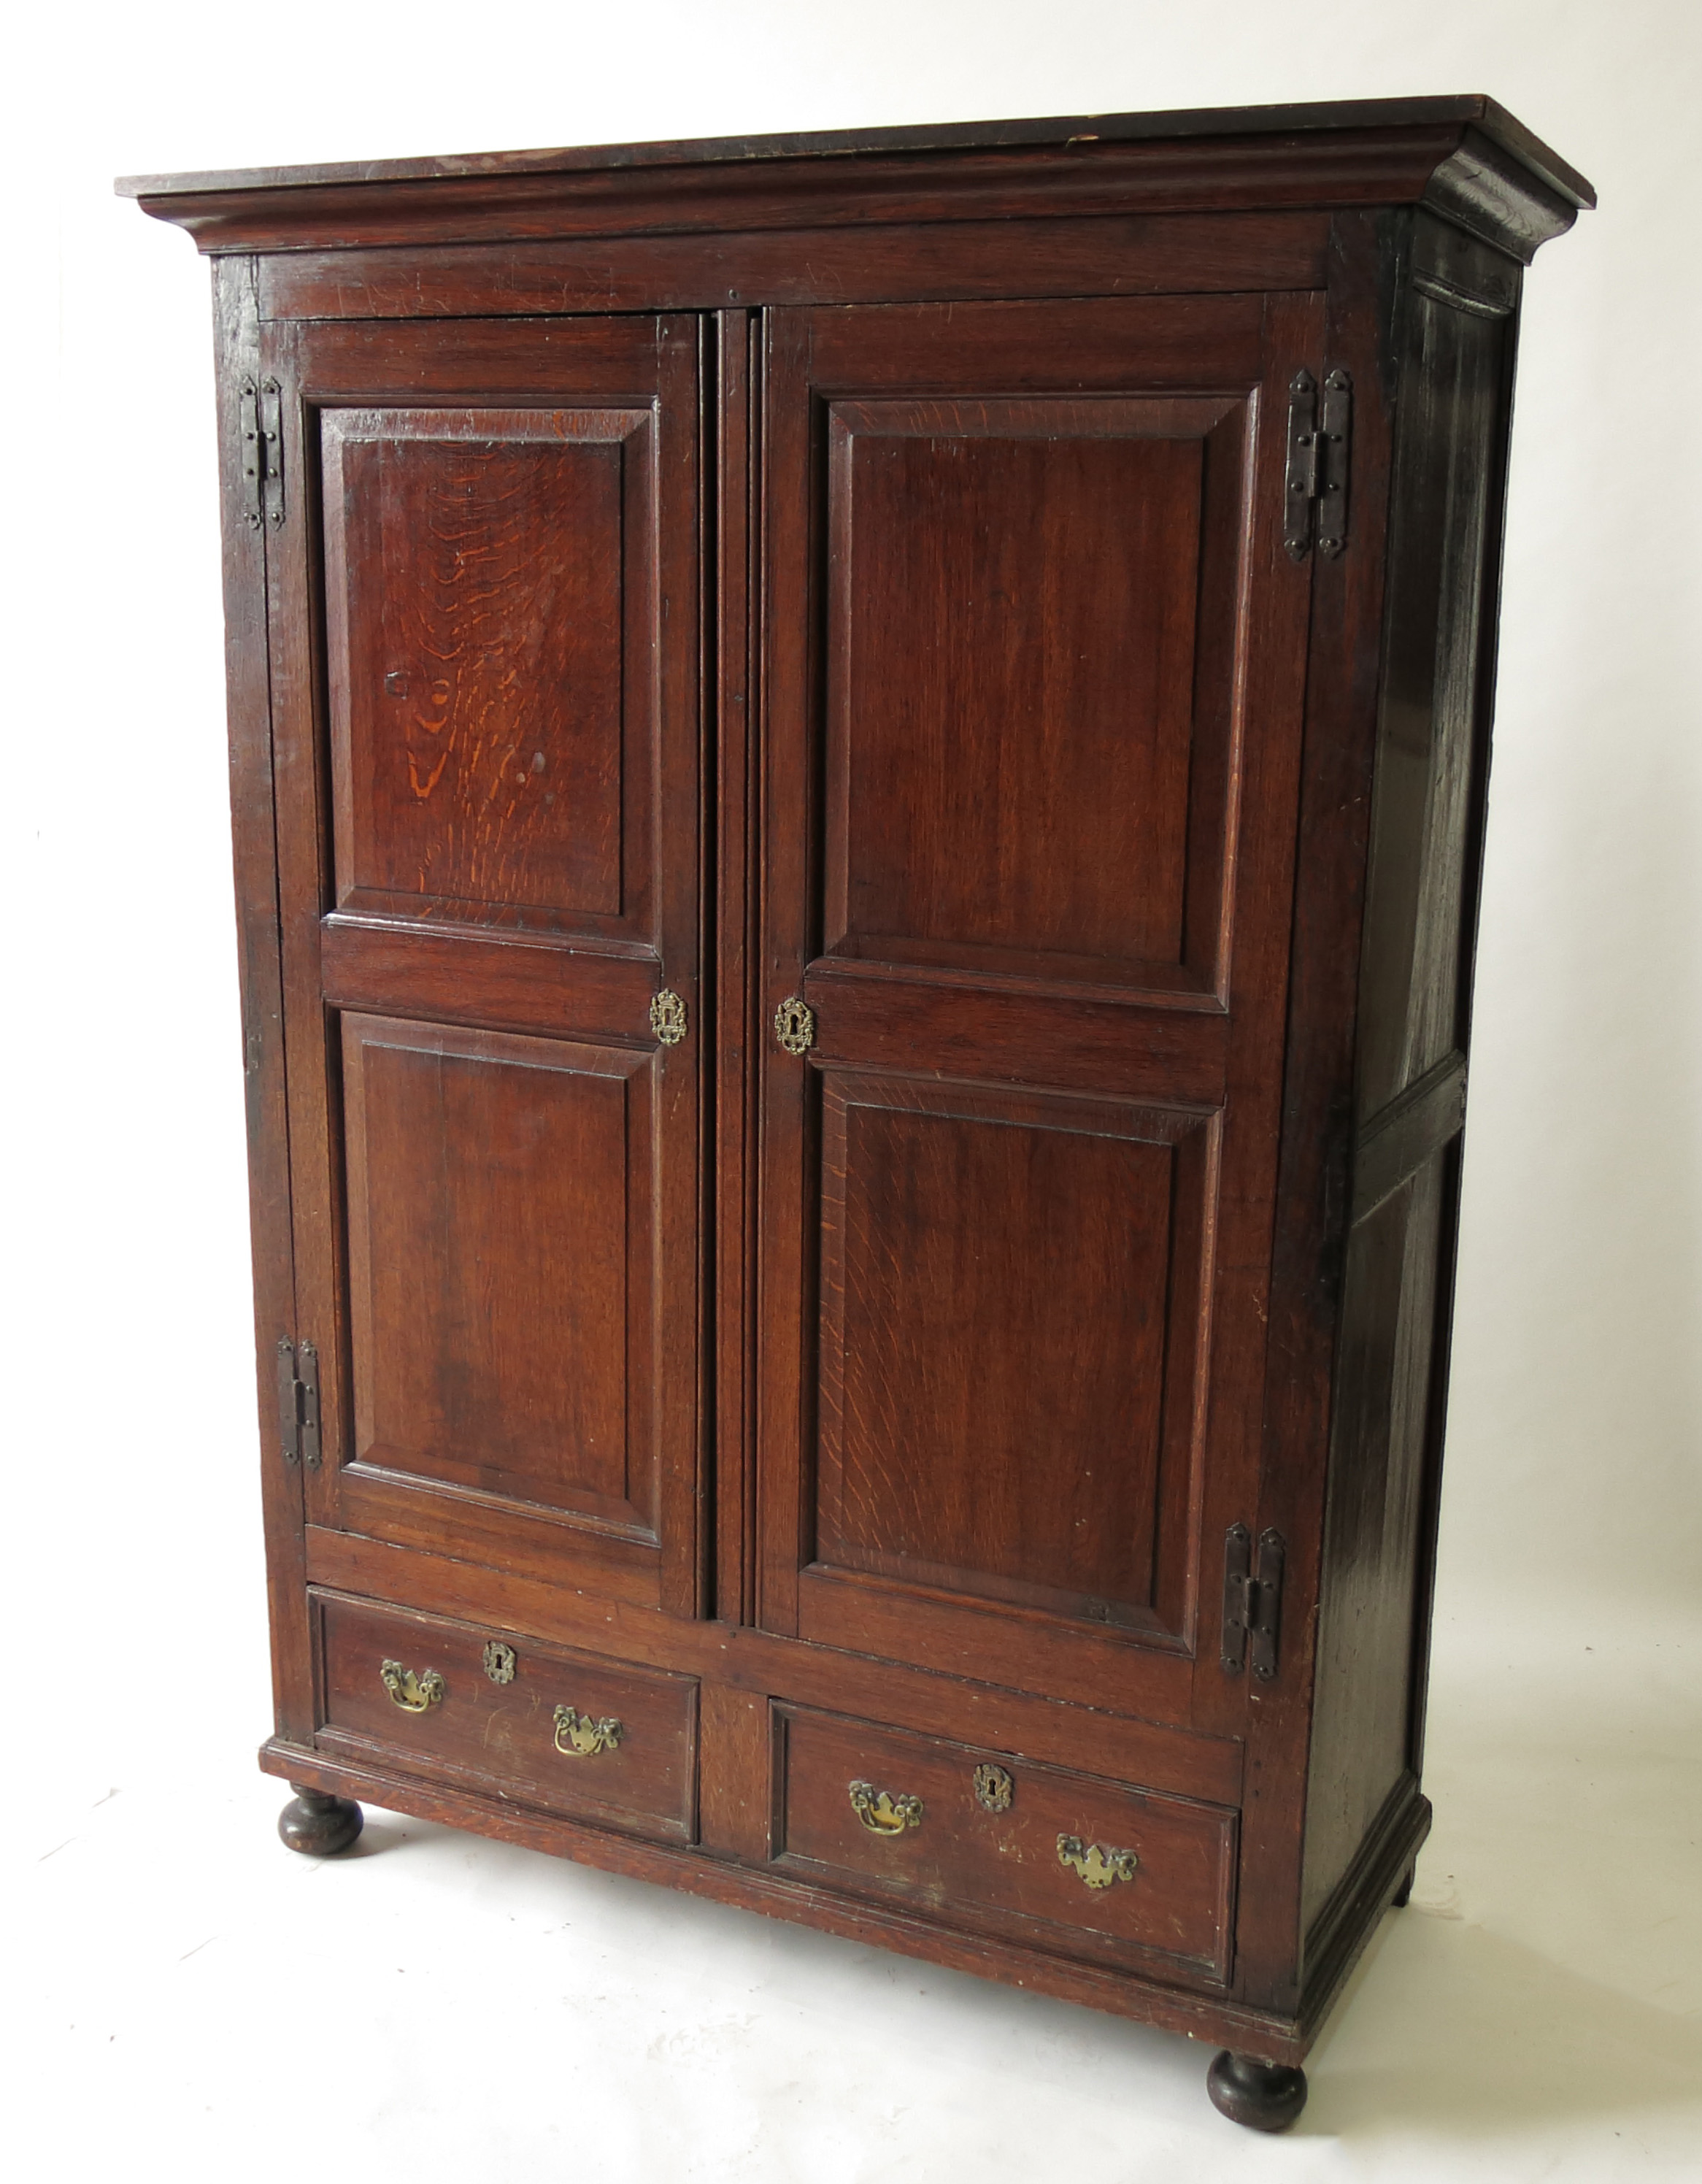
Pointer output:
x,y
299,1403
260,411
1252,1601
1320,448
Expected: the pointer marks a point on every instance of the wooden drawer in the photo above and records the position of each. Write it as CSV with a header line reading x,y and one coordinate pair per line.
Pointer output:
x,y
566,1731
1153,1876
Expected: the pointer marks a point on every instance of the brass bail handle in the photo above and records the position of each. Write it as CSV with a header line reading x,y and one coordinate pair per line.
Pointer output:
x,y
1096,1864
883,1812
414,1693
577,1737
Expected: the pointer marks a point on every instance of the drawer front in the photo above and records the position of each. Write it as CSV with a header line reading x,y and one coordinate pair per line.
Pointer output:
x,y
567,1731
1064,1859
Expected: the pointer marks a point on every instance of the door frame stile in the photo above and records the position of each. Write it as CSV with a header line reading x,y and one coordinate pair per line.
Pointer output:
x,y
259,920
1308,1248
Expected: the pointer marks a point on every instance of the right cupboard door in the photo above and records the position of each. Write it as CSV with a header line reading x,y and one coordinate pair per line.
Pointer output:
x,y
1034,662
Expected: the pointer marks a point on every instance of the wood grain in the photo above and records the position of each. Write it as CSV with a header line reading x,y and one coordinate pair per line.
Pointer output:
x,y
853,569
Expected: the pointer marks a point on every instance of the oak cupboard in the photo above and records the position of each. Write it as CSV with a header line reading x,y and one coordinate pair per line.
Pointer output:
x,y
859,769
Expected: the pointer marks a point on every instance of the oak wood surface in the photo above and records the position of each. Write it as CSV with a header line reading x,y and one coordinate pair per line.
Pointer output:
x,y
853,570
434,651
503,1737
1002,1870
882,1410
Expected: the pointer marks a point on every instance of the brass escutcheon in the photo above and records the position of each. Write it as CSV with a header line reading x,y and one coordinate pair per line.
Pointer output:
x,y
577,1737
412,1693
500,1662
993,1788
668,1017
1097,1866
882,1813
794,1026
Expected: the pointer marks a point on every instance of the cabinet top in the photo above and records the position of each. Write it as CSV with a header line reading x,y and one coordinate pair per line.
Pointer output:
x,y
1363,151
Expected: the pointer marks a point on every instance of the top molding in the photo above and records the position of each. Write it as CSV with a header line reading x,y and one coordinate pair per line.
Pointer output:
x,y
1467,157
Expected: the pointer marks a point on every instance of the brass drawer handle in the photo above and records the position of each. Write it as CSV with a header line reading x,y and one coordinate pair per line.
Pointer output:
x,y
413,1694
883,1813
577,1737
1097,1866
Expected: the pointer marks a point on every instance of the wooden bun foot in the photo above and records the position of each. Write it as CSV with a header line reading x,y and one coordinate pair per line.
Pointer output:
x,y
1262,2096
318,1824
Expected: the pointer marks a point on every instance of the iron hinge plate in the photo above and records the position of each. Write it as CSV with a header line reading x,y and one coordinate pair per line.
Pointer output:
x,y
298,1404
260,416
1252,1601
1314,491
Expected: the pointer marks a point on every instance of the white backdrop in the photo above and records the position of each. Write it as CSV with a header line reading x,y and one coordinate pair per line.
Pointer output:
x,y
133,1579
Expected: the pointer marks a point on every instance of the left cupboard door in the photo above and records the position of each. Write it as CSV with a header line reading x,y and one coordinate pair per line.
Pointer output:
x,y
484,621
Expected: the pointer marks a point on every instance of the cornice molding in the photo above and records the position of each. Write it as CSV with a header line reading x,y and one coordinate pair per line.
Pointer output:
x,y
1472,163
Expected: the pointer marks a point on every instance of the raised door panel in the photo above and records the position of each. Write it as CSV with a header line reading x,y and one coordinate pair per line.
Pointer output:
x,y
489,660
1034,669
503,1255
485,638
970,1242
1019,594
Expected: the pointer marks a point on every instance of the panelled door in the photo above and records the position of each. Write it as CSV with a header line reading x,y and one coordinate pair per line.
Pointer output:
x,y
485,622
1035,657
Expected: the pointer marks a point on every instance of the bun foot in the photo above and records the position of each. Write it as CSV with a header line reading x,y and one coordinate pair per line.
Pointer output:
x,y
1263,2096
318,1824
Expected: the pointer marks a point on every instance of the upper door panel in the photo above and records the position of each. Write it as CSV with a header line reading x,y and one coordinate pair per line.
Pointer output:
x,y
491,659
1027,740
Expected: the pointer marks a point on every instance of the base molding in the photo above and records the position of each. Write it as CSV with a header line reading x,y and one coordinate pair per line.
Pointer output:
x,y
1371,1884
1264,2033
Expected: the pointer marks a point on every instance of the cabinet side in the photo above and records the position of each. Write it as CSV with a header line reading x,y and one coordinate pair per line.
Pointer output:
x,y
237,351
1455,331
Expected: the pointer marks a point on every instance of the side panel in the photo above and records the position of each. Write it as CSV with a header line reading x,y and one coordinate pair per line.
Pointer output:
x,y
1456,340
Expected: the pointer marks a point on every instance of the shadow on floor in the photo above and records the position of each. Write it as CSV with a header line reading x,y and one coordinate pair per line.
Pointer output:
x,y
1490,2036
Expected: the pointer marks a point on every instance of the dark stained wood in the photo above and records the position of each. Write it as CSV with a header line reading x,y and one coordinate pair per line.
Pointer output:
x,y
1088,1735
1455,361
317,1824
1408,1133
1067,677
503,1736
1001,1871
951,1368
916,1933
600,991
254,856
477,701
502,1217
853,570
735,394
574,1152
737,1792
1187,253
1315,1158
1496,179
945,1245
1263,2096
1486,114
